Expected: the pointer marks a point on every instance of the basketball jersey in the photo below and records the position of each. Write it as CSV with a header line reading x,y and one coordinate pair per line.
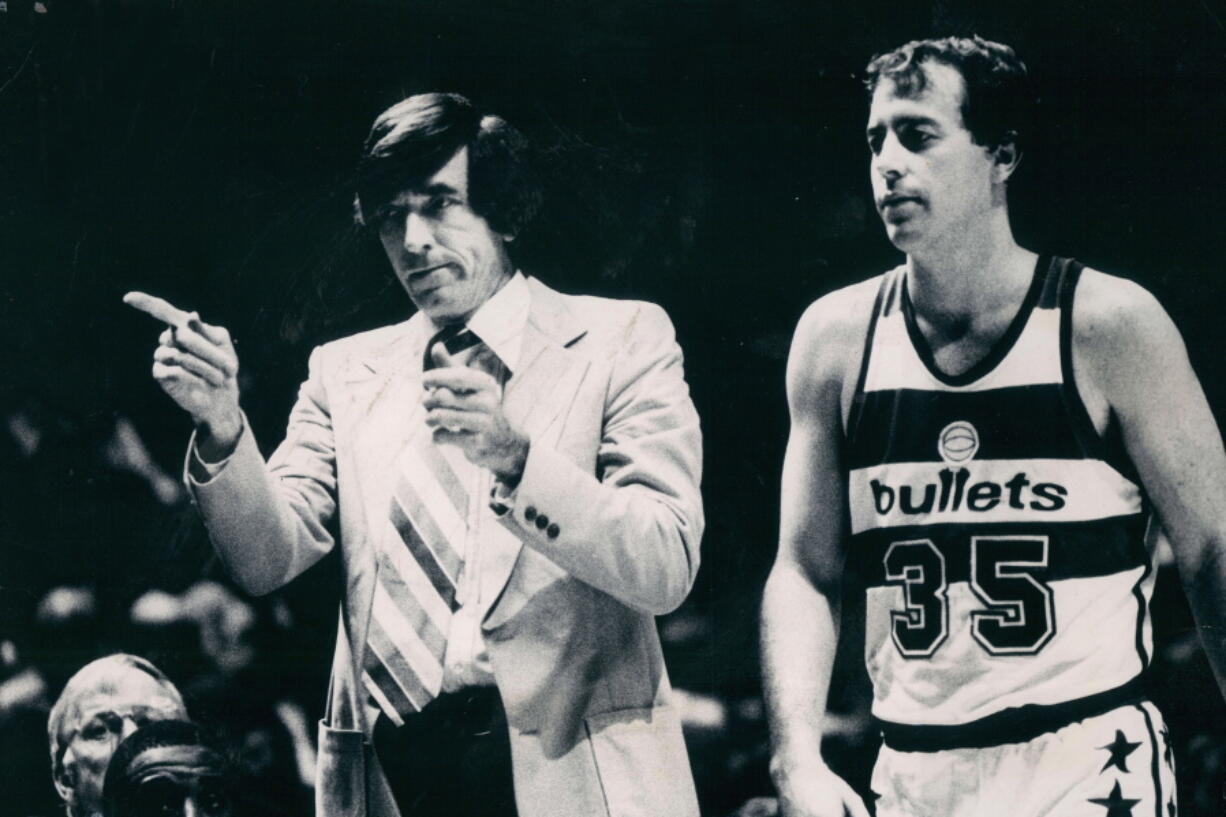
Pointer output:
x,y
1000,538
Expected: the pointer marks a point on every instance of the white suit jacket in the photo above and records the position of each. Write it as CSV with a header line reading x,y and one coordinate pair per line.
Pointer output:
x,y
613,467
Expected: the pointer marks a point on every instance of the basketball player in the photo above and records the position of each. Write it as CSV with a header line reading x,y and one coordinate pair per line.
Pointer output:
x,y
982,432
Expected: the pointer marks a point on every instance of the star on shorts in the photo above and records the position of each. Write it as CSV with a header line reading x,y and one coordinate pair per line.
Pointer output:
x,y
1116,803
1120,749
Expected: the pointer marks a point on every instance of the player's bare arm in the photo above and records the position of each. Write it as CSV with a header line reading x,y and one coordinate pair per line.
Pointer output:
x,y
800,608
1131,360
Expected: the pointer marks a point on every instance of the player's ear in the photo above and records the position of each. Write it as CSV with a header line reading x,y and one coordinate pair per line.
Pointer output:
x,y
64,776
1006,157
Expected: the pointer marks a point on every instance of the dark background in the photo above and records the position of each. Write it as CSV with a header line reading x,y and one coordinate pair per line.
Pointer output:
x,y
704,154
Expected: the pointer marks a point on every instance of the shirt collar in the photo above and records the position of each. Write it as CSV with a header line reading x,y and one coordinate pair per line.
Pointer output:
x,y
500,321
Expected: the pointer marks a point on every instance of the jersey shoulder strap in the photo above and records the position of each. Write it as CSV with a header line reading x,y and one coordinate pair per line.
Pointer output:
x,y
888,301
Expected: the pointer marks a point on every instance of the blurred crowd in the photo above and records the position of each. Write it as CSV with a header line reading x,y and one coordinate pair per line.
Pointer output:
x,y
112,603
62,714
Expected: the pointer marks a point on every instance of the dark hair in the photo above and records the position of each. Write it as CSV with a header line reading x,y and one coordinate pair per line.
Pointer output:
x,y
196,758
415,137
998,104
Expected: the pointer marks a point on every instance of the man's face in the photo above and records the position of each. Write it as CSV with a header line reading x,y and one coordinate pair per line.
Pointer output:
x,y
99,720
930,180
446,256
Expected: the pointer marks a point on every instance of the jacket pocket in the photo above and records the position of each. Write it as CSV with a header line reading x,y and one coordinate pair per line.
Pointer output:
x,y
642,763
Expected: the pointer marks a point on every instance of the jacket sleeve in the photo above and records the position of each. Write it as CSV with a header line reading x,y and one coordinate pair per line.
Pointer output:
x,y
633,528
269,522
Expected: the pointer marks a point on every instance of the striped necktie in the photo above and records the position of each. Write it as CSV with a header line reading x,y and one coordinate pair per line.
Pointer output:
x,y
419,570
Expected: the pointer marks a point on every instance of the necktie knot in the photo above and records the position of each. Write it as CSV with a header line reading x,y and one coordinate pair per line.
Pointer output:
x,y
455,338
448,347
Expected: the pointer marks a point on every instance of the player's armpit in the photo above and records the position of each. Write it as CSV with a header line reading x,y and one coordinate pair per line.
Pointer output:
x,y
1128,344
1136,356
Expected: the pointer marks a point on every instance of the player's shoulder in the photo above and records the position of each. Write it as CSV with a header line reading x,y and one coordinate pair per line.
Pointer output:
x,y
1110,311
836,324
1103,297
828,345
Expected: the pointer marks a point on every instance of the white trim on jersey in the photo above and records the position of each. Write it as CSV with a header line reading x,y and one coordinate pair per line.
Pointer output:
x,y
1034,358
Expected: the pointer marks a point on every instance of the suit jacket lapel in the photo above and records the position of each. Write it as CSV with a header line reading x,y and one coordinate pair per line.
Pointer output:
x,y
537,393
384,410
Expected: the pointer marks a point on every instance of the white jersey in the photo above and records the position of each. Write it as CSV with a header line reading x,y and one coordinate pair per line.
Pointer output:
x,y
1000,538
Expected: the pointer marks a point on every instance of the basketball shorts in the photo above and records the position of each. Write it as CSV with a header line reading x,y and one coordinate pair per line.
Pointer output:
x,y
1115,764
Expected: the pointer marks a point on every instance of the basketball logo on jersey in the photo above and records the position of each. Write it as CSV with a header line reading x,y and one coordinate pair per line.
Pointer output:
x,y
958,442
951,490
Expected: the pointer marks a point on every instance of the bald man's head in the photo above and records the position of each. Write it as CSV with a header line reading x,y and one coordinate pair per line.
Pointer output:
x,y
104,702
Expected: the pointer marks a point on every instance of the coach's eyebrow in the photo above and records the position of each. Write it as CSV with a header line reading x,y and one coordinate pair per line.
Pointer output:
x,y
902,119
440,188
914,120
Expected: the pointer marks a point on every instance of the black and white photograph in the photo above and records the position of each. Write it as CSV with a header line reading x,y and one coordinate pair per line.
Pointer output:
x,y
634,408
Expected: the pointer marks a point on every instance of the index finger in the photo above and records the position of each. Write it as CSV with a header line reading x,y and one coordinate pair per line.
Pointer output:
x,y
457,378
157,308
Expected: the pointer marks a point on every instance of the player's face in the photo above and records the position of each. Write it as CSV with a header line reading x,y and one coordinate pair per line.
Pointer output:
x,y
930,180
446,256
100,720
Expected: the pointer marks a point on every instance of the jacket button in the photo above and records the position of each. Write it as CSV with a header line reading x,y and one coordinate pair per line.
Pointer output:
x,y
529,513
542,521
552,531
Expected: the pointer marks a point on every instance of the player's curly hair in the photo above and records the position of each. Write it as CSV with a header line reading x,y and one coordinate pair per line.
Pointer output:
x,y
999,101
411,140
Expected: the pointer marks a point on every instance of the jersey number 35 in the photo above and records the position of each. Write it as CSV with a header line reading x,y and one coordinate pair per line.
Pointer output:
x,y
1018,616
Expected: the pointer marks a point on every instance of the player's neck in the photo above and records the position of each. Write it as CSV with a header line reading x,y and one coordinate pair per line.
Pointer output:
x,y
977,273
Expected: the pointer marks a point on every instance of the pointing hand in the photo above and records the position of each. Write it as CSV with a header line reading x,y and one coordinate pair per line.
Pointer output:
x,y
196,365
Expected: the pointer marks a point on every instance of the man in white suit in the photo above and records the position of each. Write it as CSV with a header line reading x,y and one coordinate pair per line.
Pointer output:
x,y
511,476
